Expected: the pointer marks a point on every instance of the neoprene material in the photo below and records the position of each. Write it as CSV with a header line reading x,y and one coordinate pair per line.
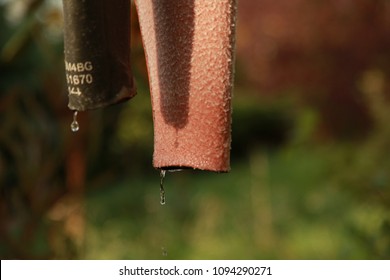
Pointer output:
x,y
189,46
97,53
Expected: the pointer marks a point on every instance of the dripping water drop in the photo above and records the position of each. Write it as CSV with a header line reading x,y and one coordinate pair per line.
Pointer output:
x,y
74,126
162,191
164,251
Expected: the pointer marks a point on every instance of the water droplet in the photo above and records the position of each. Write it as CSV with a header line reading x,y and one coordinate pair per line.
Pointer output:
x,y
162,191
74,126
164,251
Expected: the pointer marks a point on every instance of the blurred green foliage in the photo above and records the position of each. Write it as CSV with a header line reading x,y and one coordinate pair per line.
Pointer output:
x,y
298,189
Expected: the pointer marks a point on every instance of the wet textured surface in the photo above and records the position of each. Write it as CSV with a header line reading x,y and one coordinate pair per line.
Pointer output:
x,y
189,49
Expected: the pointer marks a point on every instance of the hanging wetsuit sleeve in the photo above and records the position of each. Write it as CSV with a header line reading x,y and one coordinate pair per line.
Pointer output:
x,y
189,48
97,53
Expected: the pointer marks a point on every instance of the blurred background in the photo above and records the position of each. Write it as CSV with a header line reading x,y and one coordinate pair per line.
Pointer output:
x,y
310,174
